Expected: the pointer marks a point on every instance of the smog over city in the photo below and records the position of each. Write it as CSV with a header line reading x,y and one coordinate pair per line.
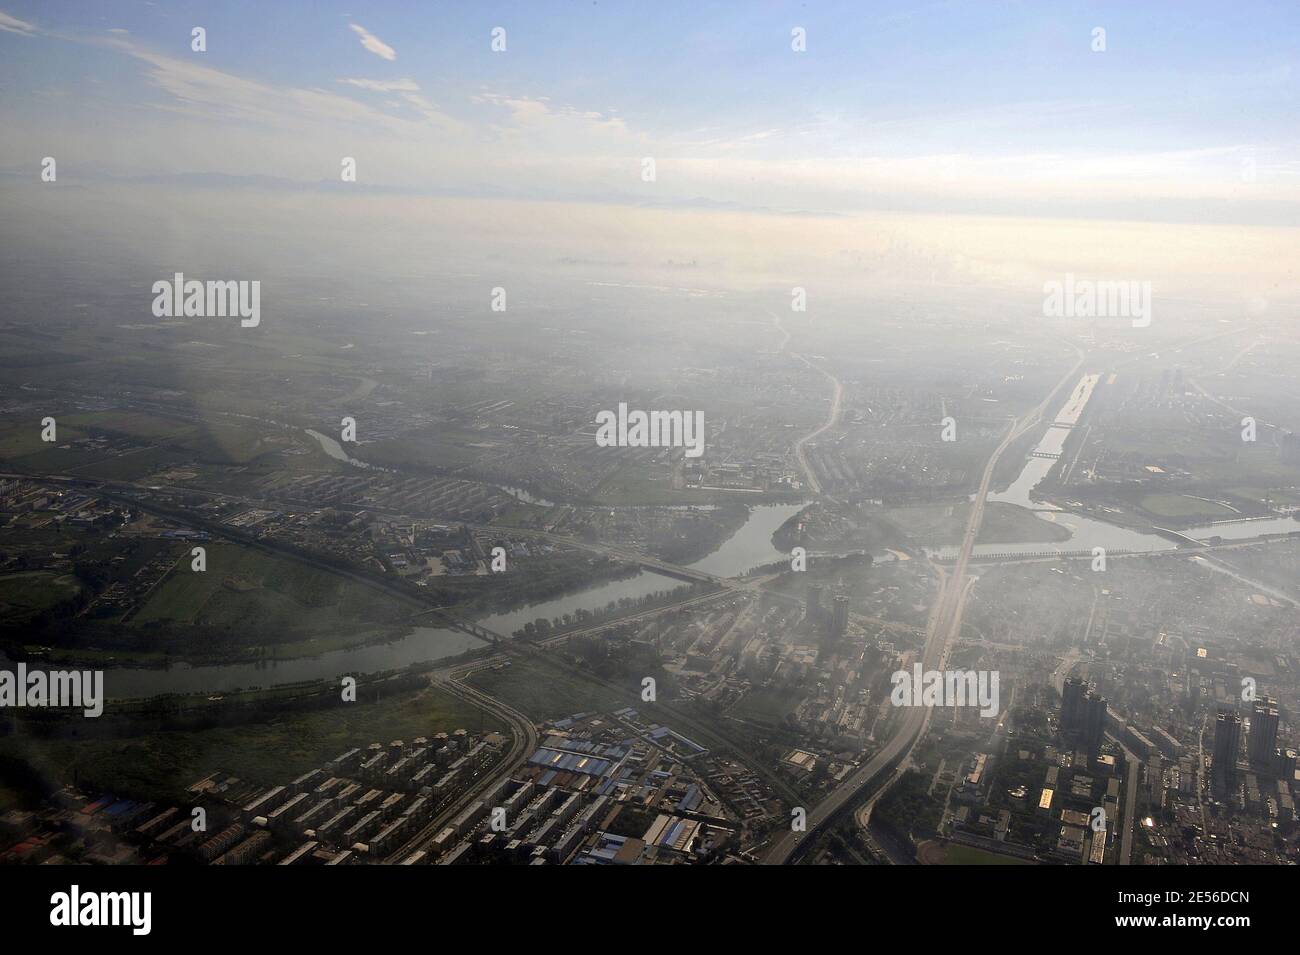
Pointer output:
x,y
619,434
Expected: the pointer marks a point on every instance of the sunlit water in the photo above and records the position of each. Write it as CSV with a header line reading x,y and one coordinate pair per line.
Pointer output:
x,y
1087,532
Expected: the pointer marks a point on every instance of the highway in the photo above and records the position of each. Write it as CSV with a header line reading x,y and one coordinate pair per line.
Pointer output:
x,y
945,625
1130,808
836,395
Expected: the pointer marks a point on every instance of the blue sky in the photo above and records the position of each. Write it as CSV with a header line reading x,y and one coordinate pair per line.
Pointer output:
x,y
945,103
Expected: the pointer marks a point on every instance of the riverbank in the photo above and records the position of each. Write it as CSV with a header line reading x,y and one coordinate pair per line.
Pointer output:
x,y
750,545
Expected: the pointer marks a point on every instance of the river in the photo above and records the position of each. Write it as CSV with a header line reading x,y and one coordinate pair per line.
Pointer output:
x,y
335,450
593,598
749,546
421,644
1086,532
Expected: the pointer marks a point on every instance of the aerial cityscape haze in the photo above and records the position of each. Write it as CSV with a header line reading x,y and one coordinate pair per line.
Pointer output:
x,y
622,434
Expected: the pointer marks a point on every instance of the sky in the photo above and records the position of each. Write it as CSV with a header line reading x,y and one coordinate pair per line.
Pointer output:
x,y
1187,117
924,105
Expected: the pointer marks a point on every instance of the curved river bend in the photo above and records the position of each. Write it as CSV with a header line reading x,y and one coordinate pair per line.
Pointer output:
x,y
748,547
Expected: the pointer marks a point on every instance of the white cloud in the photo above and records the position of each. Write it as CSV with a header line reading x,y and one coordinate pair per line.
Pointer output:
x,y
515,142
14,25
384,86
560,130
201,90
428,110
373,43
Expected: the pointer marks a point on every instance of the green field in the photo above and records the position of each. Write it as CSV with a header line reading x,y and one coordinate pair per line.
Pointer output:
x,y
1009,524
166,441
24,595
545,693
447,448
228,444
1003,524
1183,505
133,465
248,589
160,765
18,441
137,424
21,447
1219,461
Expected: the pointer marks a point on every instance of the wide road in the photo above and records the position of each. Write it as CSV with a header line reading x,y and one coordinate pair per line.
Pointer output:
x,y
1130,808
945,624
837,393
